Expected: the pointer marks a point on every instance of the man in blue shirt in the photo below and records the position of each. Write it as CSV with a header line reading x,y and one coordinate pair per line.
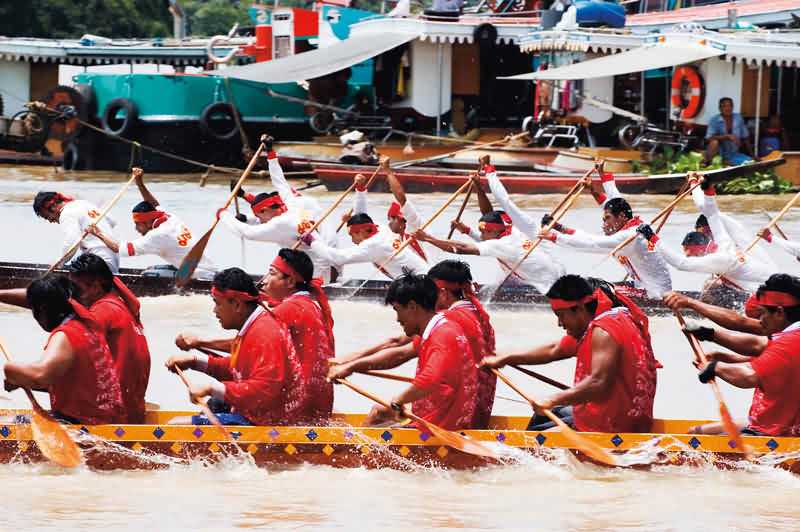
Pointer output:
x,y
727,135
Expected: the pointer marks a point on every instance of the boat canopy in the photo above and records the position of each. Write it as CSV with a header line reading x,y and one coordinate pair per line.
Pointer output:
x,y
323,61
647,57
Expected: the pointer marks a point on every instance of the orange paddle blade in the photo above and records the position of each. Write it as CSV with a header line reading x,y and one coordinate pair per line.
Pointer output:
x,y
730,426
454,439
192,259
53,440
583,444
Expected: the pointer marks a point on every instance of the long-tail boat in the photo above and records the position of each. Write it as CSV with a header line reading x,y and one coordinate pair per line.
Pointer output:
x,y
160,281
344,443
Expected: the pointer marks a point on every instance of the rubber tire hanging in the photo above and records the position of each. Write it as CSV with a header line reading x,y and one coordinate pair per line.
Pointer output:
x,y
110,117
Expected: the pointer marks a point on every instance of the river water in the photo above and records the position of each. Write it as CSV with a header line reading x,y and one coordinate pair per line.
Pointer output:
x,y
532,495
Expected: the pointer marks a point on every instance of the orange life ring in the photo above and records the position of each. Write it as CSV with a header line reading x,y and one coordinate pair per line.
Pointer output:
x,y
687,77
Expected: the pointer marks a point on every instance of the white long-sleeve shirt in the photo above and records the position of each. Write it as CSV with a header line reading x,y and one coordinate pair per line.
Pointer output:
x,y
409,212
538,270
171,240
792,248
526,224
731,237
285,229
75,217
376,249
648,269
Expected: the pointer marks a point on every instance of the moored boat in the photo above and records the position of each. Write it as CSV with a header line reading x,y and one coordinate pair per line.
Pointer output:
x,y
345,443
425,179
160,281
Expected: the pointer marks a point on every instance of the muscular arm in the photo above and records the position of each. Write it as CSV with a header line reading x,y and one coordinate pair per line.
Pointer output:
x,y
606,355
112,244
727,318
522,221
146,194
384,359
396,187
483,200
451,246
14,296
542,354
57,360
392,342
739,375
742,343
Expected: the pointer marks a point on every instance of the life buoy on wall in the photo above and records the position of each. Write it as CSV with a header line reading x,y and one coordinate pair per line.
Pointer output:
x,y
687,81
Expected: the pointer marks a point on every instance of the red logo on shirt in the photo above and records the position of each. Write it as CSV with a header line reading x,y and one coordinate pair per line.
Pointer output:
x,y
396,244
184,237
527,245
93,213
304,226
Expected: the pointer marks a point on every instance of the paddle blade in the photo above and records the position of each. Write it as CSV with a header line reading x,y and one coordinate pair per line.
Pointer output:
x,y
53,440
192,259
585,445
733,429
456,440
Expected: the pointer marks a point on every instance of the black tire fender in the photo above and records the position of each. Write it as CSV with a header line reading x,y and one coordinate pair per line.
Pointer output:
x,y
207,116
115,126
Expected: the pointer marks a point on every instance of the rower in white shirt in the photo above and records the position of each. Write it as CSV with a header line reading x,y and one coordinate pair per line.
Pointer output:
x,y
402,218
790,247
282,216
720,255
648,270
499,239
162,234
75,218
373,243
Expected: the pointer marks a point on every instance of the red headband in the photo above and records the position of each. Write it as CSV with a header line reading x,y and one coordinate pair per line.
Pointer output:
x,y
58,196
233,294
358,227
395,210
701,249
562,304
286,269
751,307
772,298
147,216
504,227
272,201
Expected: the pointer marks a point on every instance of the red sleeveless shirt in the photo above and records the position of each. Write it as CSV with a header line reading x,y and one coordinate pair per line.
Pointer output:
x,y
628,404
89,391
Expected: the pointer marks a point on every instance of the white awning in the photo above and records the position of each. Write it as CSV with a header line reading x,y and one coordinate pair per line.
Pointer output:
x,y
316,63
647,57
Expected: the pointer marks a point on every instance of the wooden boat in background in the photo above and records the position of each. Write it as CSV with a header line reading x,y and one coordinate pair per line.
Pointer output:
x,y
423,179
160,281
345,443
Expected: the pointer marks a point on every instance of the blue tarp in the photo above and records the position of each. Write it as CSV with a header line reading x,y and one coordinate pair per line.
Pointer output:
x,y
600,14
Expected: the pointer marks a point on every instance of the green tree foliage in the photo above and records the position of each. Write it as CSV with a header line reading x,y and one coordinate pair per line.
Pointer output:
x,y
215,17
57,19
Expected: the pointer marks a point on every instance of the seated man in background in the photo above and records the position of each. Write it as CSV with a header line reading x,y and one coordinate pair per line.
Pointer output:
x,y
727,135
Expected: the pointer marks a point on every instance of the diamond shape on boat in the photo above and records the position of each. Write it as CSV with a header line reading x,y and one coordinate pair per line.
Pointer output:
x,y
252,448
404,451
501,437
616,440
120,432
236,434
442,451
732,444
176,448
22,446
348,435
540,439
312,435
197,432
772,444
158,433
273,433
694,442
328,450
84,430
386,436
290,449
424,436
5,431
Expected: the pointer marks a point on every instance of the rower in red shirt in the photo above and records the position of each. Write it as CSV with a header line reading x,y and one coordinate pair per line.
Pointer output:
x,y
261,381
770,363
456,299
444,389
77,367
302,305
116,310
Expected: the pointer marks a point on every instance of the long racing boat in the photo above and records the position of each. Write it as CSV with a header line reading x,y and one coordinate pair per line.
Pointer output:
x,y
160,281
345,443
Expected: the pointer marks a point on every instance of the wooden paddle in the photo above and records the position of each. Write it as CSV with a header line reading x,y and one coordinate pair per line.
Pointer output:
x,y
583,444
241,238
53,440
204,407
727,420
461,210
664,212
96,221
450,438
539,376
565,205
776,226
474,147
386,375
350,212
192,259
775,220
